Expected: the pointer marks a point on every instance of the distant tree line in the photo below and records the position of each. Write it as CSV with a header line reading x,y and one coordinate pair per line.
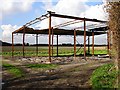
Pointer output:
x,y
27,44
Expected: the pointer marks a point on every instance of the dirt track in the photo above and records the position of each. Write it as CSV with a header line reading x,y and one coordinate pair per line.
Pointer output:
x,y
72,75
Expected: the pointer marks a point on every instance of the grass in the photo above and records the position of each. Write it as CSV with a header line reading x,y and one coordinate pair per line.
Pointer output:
x,y
104,77
43,66
43,51
13,70
97,52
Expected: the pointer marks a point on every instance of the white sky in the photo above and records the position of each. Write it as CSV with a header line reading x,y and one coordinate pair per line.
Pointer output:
x,y
22,8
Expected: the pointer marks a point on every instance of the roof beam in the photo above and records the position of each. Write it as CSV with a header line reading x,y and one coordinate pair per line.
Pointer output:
x,y
37,20
78,18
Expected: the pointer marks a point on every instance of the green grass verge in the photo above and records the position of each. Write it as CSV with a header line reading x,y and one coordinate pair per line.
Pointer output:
x,y
13,70
104,77
44,66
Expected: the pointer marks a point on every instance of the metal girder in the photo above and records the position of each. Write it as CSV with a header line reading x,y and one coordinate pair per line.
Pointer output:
x,y
67,23
77,18
57,31
37,20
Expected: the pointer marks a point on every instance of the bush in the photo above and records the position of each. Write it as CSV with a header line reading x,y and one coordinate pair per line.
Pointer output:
x,y
104,77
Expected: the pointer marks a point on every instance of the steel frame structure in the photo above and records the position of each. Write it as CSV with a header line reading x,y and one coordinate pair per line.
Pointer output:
x,y
50,32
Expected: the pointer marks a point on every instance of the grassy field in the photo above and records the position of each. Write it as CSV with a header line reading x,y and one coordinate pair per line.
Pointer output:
x,y
43,51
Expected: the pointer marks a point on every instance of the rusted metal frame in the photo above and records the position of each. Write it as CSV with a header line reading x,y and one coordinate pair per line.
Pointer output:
x,y
88,44
16,31
74,43
86,26
32,23
57,45
49,36
59,25
92,42
52,41
36,44
84,39
12,44
78,18
35,20
23,42
66,23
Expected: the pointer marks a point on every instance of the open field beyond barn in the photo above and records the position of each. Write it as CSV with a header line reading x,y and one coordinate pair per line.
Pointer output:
x,y
43,51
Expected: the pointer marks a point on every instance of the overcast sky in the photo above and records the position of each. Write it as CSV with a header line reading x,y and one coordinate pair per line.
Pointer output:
x,y
15,13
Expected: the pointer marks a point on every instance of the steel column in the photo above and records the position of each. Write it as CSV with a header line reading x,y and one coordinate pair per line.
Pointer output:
x,y
92,43
23,41
50,36
74,43
52,41
57,45
36,44
88,44
84,39
12,44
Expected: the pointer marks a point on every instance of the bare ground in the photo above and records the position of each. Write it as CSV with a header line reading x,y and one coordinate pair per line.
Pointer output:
x,y
75,74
